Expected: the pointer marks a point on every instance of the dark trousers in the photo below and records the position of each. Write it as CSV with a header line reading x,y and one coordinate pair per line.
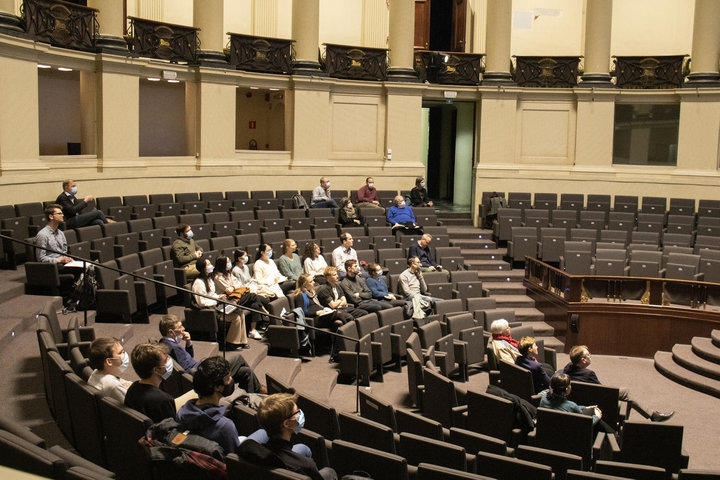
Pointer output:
x,y
95,217
243,375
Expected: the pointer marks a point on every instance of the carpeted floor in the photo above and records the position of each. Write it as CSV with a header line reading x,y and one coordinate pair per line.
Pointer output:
x,y
23,398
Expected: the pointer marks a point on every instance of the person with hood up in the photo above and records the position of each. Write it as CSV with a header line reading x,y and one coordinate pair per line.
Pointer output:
x,y
205,416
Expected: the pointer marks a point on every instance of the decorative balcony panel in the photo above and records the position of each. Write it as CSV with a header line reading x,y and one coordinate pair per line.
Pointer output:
x,y
59,23
356,63
176,43
546,72
260,54
649,72
449,68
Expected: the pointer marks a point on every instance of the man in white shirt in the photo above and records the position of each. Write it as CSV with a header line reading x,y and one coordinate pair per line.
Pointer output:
x,y
109,360
344,253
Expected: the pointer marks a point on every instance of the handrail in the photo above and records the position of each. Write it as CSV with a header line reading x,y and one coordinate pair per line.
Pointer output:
x,y
224,302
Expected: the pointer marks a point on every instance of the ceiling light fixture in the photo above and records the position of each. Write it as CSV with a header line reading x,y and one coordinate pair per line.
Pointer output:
x,y
153,79
40,65
65,69
173,81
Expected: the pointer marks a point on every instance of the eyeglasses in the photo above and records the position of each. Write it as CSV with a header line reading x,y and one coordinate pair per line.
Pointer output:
x,y
294,413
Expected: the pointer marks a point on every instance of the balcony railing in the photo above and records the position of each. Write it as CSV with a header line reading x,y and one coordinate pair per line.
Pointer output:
x,y
260,54
649,72
356,63
546,72
59,23
176,43
449,68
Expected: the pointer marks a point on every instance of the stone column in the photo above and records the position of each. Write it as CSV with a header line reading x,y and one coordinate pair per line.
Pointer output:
x,y
305,24
9,21
598,26
497,42
706,45
402,25
208,16
111,20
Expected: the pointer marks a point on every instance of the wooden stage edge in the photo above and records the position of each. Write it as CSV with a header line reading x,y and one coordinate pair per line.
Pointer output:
x,y
622,328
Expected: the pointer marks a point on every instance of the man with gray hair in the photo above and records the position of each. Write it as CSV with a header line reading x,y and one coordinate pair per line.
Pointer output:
x,y
502,344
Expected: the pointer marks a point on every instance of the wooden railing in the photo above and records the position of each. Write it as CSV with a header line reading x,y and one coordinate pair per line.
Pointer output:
x,y
449,68
356,63
664,71
59,23
546,72
260,54
176,43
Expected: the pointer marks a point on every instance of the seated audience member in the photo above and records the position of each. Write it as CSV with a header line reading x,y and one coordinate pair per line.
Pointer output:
x,y
289,263
312,307
418,195
423,251
204,287
174,334
314,262
204,415
348,216
527,359
109,360
379,289
412,282
331,295
402,219
72,207
368,196
578,371
185,252
271,283
496,202
241,271
357,292
501,343
228,284
321,197
279,416
153,364
556,399
51,237
343,253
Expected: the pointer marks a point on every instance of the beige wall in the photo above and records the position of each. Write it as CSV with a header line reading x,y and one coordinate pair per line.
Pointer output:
x,y
59,110
652,27
162,119
551,27
265,108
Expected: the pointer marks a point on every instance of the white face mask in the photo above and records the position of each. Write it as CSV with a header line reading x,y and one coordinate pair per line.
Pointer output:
x,y
168,369
245,260
401,204
209,269
371,184
125,359
229,266
422,184
327,184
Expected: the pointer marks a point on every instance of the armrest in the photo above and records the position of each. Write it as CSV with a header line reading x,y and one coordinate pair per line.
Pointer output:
x,y
180,277
376,351
510,247
95,255
119,250
142,245
460,348
396,344
459,416
494,377
612,445
699,276
87,334
627,270
551,357
455,293
166,241
598,451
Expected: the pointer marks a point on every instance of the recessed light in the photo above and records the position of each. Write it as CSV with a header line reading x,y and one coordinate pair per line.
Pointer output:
x,y
153,79
65,69
254,88
173,81
40,65
274,89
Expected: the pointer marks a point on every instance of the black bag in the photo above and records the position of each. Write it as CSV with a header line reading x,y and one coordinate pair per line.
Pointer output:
x,y
82,295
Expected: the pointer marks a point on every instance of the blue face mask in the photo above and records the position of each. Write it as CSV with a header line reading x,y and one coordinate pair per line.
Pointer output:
x,y
301,421
245,260
73,190
190,234
125,362
379,273
168,369
228,266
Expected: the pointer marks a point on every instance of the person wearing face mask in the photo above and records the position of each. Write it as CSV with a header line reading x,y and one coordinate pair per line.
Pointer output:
x,y
153,364
348,216
206,296
321,197
109,360
205,416
72,207
185,252
419,195
402,219
368,197
267,275
279,416
227,283
241,271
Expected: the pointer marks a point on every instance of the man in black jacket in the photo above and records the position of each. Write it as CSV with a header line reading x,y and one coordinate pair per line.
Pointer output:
x,y
72,207
578,371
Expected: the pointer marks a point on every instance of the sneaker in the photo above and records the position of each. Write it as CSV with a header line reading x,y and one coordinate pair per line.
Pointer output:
x,y
255,334
244,346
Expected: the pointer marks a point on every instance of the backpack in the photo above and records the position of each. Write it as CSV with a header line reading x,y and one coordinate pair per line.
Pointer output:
x,y
299,201
177,455
82,294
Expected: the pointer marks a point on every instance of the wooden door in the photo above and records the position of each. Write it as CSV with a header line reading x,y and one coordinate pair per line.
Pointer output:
x,y
459,19
422,24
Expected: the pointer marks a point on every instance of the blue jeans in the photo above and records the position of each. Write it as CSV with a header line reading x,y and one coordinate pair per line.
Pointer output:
x,y
325,204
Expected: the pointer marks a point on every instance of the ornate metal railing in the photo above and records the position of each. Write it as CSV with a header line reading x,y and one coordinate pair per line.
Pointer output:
x,y
546,72
357,63
59,23
176,43
260,54
451,68
649,72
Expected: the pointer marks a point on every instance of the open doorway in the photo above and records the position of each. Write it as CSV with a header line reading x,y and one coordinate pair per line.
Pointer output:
x,y
449,139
